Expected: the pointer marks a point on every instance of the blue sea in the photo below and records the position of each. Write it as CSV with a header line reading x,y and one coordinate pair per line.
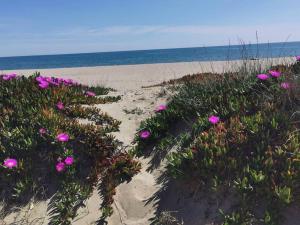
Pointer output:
x,y
217,53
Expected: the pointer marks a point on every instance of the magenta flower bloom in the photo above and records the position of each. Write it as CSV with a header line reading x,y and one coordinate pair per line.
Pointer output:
x,y
69,160
9,76
285,85
43,84
60,80
262,76
274,73
298,58
40,79
6,77
54,81
12,75
63,137
90,93
10,163
68,82
160,108
48,79
60,167
42,131
60,105
145,134
214,119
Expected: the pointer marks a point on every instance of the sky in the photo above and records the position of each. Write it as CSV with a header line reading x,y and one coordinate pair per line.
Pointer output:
x,y
35,27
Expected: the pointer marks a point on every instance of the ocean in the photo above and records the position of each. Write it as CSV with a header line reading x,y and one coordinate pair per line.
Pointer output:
x,y
217,53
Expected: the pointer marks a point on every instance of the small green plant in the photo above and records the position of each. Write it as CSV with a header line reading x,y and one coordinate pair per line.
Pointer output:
x,y
284,194
137,111
166,218
237,218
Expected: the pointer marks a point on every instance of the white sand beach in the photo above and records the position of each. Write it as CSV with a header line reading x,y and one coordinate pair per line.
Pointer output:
x,y
132,77
131,205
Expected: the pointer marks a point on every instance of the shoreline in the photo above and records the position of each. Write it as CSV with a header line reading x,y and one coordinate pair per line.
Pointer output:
x,y
131,77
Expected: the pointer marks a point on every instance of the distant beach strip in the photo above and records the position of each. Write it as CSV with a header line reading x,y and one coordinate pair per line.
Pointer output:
x,y
132,77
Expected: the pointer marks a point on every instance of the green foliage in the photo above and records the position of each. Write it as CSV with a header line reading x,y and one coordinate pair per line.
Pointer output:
x,y
25,108
284,194
63,206
99,90
166,218
237,218
121,168
254,149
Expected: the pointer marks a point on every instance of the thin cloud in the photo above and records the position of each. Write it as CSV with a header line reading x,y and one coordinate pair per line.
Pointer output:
x,y
111,31
114,38
271,31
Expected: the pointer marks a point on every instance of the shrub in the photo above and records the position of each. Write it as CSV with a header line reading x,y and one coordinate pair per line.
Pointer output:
x,y
243,135
54,152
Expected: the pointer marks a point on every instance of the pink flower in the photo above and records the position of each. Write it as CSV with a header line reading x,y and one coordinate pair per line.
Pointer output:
x,y
90,93
6,77
285,85
262,76
274,73
60,167
40,79
12,75
10,163
213,119
60,80
60,105
68,82
42,131
43,84
145,134
298,58
48,79
54,81
9,76
160,108
69,160
63,137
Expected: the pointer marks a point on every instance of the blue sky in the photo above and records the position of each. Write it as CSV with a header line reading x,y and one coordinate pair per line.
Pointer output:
x,y
35,27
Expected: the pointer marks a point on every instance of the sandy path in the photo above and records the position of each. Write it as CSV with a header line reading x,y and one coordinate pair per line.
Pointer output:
x,y
130,206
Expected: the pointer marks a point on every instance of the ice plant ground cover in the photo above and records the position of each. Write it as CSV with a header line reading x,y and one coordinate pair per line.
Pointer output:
x,y
243,138
45,151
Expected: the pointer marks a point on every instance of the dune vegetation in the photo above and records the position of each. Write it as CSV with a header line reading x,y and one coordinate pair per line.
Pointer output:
x,y
241,138
235,133
55,144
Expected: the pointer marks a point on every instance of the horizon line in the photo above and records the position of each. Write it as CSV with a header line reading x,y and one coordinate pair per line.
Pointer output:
x,y
136,50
